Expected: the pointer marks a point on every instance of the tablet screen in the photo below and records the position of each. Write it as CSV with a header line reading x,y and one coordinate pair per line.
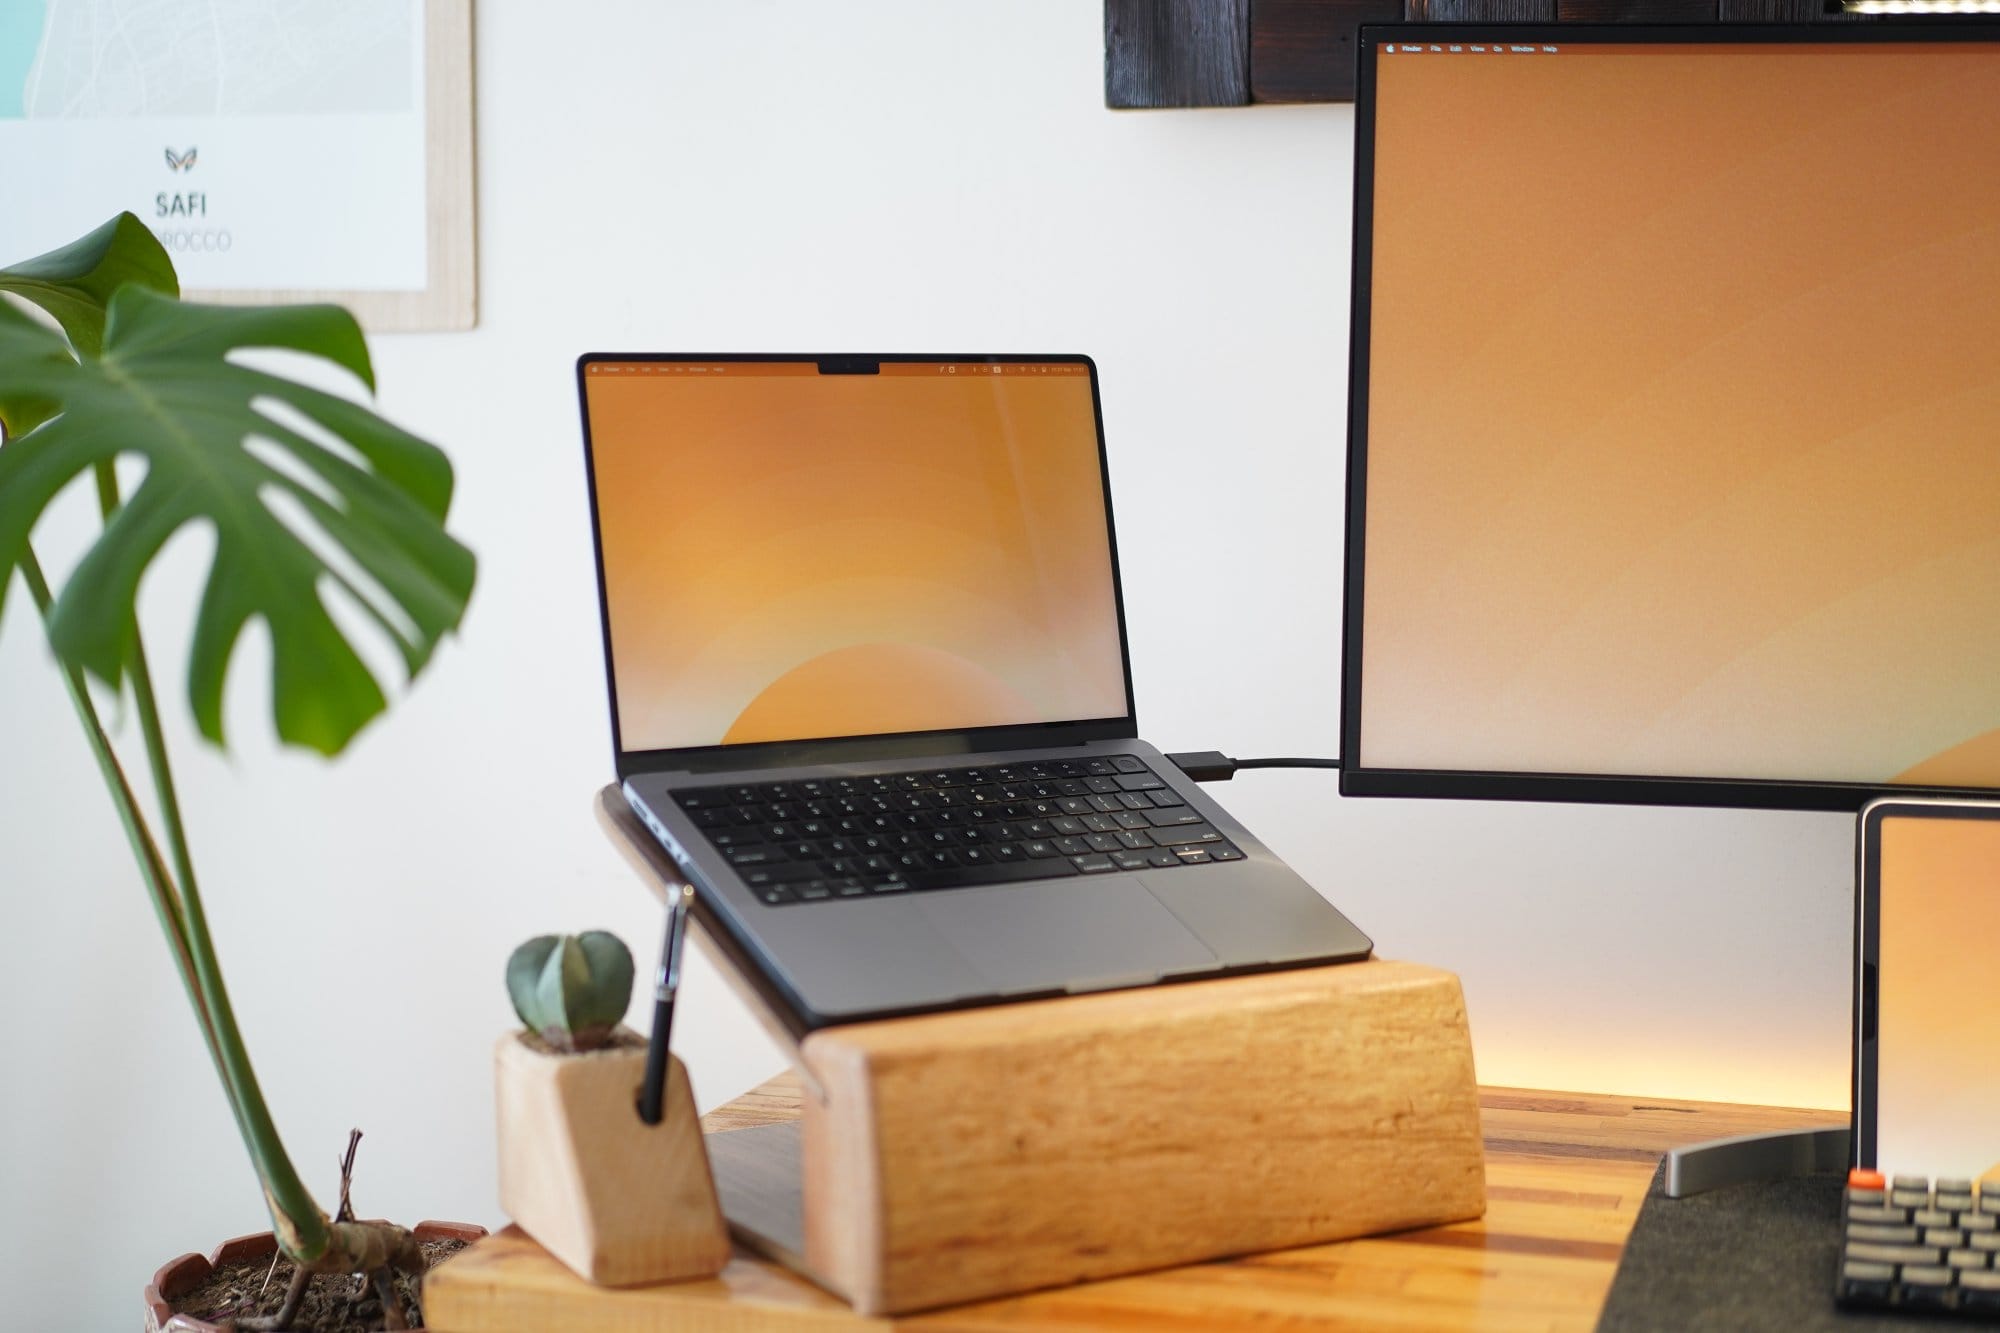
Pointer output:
x,y
1935,937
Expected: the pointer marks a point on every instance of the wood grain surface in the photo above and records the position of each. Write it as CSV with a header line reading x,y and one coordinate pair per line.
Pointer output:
x,y
1565,1175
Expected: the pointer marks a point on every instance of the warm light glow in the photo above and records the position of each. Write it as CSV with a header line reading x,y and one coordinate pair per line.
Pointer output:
x,y
1921,6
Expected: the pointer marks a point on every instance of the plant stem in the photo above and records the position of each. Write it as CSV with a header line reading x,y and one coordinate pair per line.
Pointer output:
x,y
159,884
300,1225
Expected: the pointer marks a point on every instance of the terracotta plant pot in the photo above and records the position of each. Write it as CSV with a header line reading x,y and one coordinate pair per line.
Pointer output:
x,y
180,1276
619,1201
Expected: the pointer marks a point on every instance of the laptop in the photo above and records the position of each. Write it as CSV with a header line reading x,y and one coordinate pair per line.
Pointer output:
x,y
870,688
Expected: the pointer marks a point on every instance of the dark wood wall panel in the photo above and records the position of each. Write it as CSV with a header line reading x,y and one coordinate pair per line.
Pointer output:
x,y
1186,53
1636,11
1160,53
1481,11
1303,50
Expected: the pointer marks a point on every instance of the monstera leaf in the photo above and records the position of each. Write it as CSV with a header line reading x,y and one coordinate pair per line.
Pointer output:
x,y
161,386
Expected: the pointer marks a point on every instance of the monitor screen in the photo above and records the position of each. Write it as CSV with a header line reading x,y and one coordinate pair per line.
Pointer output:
x,y
1675,414
792,555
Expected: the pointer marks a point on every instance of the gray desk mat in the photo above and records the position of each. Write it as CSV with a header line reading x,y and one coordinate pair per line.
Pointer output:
x,y
1750,1257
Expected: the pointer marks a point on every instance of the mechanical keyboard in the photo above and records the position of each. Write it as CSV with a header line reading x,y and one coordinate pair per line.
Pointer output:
x,y
1910,1244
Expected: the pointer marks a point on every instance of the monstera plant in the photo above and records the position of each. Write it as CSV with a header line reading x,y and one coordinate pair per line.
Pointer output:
x,y
123,370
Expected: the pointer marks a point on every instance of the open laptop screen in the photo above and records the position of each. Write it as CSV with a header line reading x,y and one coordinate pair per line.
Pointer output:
x,y
791,555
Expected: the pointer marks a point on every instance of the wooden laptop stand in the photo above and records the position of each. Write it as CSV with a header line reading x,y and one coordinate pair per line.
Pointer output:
x,y
953,1157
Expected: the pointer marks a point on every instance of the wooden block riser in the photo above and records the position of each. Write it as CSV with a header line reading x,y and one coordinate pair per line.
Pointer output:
x,y
969,1155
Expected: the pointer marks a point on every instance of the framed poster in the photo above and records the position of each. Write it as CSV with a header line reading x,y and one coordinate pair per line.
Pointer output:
x,y
295,151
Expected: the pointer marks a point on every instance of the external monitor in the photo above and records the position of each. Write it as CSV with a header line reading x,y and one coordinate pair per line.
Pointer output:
x,y
1675,414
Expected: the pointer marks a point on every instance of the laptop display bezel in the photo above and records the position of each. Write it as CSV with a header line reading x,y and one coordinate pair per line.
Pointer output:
x,y
849,749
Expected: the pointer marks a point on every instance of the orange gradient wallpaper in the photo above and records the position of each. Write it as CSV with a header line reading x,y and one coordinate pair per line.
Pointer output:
x,y
789,555
1936,1085
1684,414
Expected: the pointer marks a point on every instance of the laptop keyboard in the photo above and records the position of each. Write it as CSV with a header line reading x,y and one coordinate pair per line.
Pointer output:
x,y
946,828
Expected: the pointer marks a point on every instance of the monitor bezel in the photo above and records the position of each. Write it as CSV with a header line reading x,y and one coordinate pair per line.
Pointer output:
x,y
1357,779
886,745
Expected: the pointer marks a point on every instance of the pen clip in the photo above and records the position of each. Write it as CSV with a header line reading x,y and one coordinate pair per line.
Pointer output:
x,y
668,979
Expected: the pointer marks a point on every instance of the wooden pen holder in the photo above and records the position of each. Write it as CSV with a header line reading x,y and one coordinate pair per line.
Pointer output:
x,y
960,1156
619,1201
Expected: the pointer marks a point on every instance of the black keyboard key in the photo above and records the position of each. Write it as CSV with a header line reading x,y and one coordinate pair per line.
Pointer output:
x,y
1183,835
1140,782
1072,846
1100,785
1162,859
1130,860
1067,827
1125,763
1092,865
1193,856
1222,851
1166,796
1169,818
1097,768
756,855
1103,842
999,872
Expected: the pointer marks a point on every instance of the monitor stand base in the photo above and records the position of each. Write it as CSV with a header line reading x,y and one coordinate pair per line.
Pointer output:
x,y
1751,1157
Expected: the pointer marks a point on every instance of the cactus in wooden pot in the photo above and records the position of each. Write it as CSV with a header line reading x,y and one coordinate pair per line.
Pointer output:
x,y
571,990
620,1201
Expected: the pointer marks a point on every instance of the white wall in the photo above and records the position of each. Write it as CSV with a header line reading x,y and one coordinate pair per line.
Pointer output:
x,y
799,175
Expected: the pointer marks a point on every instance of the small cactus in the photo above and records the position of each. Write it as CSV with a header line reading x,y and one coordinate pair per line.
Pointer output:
x,y
571,990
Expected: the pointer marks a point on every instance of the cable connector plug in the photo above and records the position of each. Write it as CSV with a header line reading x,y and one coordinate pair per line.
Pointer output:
x,y
1205,765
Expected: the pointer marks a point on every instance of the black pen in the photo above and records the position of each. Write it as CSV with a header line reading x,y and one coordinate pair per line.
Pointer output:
x,y
653,1092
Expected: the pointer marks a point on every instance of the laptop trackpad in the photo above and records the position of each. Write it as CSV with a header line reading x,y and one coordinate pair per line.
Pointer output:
x,y
1085,931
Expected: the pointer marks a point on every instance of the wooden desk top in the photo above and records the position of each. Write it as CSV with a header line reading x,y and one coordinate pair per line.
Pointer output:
x,y
1565,1172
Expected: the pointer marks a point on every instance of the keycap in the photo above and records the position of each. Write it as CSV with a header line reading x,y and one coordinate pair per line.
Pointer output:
x,y
1873,1234
1222,851
1185,835
1931,1217
1945,1236
1125,763
1862,1270
1888,1215
1966,1258
1896,1254
1902,1198
1862,1178
1985,1279
1915,1275
1169,818
1956,1203
1095,863
1953,1185
998,872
